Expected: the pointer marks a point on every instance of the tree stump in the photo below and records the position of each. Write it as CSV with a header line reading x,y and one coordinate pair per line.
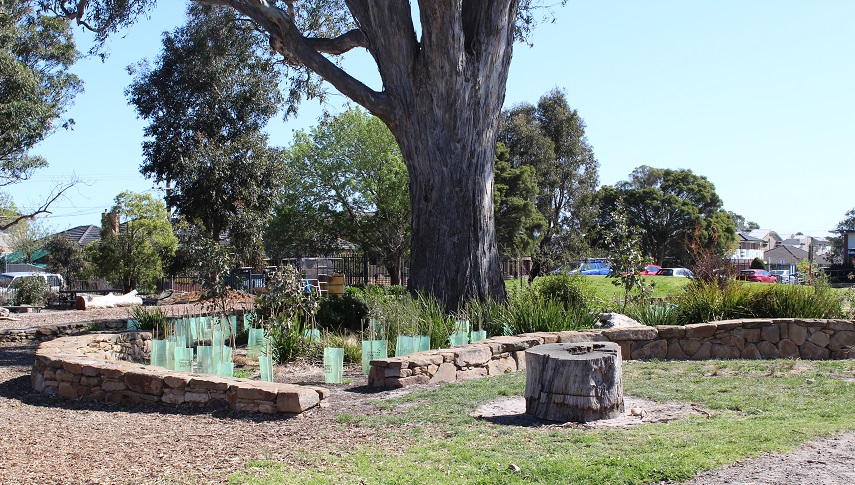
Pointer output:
x,y
577,382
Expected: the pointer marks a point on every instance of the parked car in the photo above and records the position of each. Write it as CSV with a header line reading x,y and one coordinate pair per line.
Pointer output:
x,y
679,272
9,282
756,275
650,270
590,266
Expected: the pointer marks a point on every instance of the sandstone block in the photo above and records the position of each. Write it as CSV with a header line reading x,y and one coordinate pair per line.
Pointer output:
x,y
797,333
771,334
704,351
208,383
176,381
173,396
690,346
750,352
296,400
675,352
581,336
840,325
812,351
841,340
466,375
768,350
700,330
751,335
788,349
67,390
446,373
196,397
144,382
138,397
630,333
501,366
756,323
113,386
819,338
472,355
376,376
671,331
520,358
657,349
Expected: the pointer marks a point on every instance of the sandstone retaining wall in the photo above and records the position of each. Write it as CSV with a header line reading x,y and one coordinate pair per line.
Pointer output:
x,y
49,332
732,339
99,367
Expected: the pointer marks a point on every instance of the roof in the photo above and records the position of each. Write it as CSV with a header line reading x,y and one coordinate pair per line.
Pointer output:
x,y
747,237
763,233
82,235
787,254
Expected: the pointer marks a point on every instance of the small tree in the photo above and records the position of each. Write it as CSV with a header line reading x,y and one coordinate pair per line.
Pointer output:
x,y
65,257
136,240
627,258
757,263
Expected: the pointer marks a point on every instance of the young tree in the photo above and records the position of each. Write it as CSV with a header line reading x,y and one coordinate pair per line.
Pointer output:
x,y
550,138
207,100
518,223
443,89
351,173
27,238
36,88
134,246
65,257
669,206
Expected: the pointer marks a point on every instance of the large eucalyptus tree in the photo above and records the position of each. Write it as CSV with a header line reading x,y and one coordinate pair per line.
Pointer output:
x,y
443,86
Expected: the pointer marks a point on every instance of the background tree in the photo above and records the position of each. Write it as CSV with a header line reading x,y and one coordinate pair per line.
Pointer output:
x,y
36,88
741,224
351,171
837,254
627,258
134,247
27,238
207,100
550,138
518,223
443,87
65,258
673,208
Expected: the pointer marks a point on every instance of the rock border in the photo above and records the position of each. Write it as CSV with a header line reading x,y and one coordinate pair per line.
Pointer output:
x,y
758,338
101,367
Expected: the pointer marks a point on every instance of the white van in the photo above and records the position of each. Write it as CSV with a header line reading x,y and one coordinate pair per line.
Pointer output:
x,y
9,281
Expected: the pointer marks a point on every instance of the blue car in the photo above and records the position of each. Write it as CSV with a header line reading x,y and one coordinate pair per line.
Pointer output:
x,y
587,267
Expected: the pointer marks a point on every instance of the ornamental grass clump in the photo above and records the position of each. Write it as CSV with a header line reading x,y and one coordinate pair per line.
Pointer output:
x,y
793,301
704,301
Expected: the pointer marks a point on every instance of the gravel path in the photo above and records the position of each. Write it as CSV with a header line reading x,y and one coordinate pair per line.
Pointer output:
x,y
48,440
51,317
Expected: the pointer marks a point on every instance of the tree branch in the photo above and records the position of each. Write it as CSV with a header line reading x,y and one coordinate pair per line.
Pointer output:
x,y
43,209
286,39
341,44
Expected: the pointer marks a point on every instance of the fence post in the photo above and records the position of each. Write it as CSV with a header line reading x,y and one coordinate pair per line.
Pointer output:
x,y
365,268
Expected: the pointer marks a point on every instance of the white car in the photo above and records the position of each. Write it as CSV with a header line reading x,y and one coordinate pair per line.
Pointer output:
x,y
784,276
9,281
679,272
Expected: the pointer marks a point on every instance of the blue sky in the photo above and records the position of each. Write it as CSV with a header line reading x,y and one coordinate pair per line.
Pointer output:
x,y
756,96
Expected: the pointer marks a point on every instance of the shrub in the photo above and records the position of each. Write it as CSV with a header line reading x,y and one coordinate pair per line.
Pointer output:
x,y
346,312
568,290
792,301
757,263
32,291
708,301
150,318
654,312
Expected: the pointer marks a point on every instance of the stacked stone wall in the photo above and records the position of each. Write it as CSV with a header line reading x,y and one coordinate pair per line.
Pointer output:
x,y
101,367
811,339
49,332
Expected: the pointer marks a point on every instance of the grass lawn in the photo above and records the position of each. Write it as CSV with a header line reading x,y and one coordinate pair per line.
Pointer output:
x,y
603,286
428,436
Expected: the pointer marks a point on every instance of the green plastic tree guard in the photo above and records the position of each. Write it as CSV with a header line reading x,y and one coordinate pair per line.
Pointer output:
x,y
266,364
333,364
371,350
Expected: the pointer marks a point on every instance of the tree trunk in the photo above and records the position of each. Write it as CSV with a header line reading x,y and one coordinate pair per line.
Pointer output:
x,y
578,382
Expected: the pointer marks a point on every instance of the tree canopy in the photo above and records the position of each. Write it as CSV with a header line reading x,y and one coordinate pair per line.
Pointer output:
x,y
207,99
443,87
36,88
518,223
136,245
350,177
673,208
550,138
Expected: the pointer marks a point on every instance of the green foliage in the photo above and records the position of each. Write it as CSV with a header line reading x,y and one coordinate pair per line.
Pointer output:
x,y
36,86
135,256
518,223
152,319
550,138
65,257
707,302
654,312
674,208
627,258
32,290
285,312
202,257
346,312
757,263
552,303
350,173
796,301
207,100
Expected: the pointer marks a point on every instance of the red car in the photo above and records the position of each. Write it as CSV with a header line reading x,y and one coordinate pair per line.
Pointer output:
x,y
756,275
651,269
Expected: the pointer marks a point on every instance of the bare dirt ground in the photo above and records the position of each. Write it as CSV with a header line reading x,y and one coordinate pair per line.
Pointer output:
x,y
48,440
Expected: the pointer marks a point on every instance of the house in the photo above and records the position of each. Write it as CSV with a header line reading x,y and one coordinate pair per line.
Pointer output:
x,y
817,245
749,248
783,256
770,238
82,235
